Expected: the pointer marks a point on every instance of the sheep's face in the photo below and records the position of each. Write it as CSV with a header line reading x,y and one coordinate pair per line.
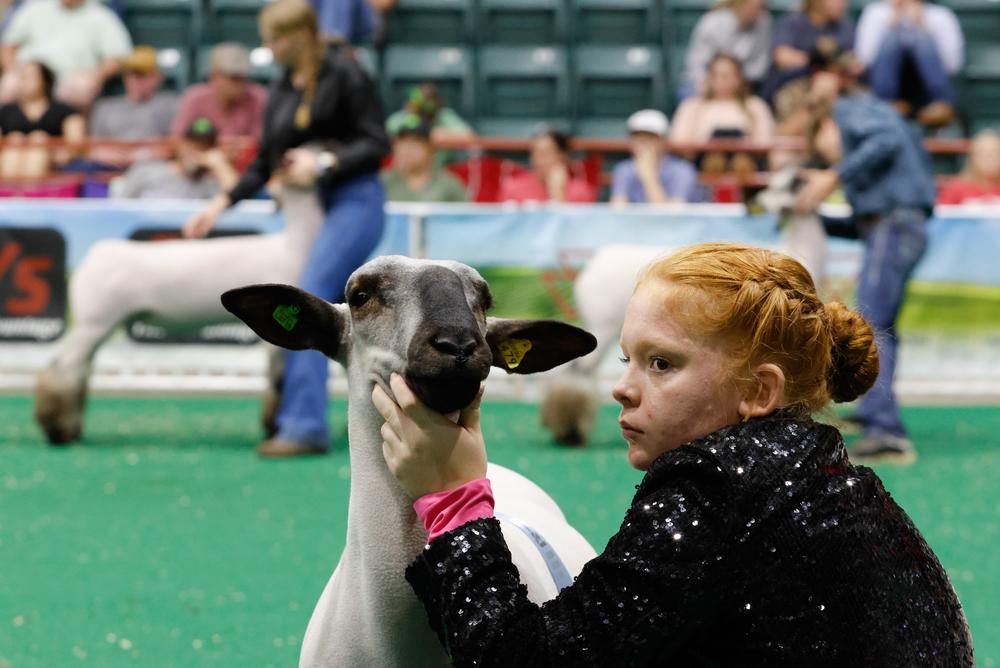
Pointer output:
x,y
423,319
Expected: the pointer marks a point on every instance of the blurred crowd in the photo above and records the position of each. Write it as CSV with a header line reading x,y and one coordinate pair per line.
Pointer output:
x,y
62,61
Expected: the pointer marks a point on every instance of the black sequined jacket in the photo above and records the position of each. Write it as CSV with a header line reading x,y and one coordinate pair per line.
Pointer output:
x,y
758,545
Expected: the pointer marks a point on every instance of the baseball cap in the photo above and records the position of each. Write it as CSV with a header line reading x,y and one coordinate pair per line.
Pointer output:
x,y
230,58
414,125
652,121
142,60
203,131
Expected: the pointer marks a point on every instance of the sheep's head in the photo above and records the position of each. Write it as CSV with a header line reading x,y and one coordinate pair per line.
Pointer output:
x,y
423,319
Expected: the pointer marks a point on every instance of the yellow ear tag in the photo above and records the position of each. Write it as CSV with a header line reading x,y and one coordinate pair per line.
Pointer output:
x,y
513,351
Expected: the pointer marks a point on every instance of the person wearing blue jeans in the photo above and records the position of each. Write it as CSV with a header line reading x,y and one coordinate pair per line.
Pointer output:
x,y
324,99
886,174
911,49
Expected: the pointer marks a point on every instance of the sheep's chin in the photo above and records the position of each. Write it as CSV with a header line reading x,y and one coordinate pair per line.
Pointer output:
x,y
445,394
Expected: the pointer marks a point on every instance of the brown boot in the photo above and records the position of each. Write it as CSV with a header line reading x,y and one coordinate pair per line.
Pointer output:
x,y
936,114
276,448
902,107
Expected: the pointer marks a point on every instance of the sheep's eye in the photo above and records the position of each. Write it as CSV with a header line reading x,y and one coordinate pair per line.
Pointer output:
x,y
358,298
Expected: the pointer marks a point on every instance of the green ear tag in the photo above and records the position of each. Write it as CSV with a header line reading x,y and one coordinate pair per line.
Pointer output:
x,y
513,351
286,316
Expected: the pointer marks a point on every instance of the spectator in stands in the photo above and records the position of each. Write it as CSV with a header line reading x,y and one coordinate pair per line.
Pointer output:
x,y
144,112
425,101
801,39
351,21
233,103
726,109
324,98
198,170
82,41
881,164
741,28
911,48
28,123
979,182
415,176
652,175
550,178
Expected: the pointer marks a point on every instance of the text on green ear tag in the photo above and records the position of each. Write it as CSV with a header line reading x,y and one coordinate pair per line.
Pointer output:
x,y
286,316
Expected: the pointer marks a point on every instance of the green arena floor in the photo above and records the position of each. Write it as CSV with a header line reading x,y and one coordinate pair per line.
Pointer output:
x,y
164,541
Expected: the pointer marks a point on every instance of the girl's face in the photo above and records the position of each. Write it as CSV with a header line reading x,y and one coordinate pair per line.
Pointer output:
x,y
30,84
984,157
676,386
545,155
724,79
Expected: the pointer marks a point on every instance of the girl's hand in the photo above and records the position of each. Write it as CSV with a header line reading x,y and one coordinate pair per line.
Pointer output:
x,y
202,222
300,167
426,451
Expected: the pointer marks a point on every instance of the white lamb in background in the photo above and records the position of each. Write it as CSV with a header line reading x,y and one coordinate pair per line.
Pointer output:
x,y
601,292
427,321
175,284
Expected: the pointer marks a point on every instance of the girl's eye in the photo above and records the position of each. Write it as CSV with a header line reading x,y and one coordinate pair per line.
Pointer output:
x,y
659,364
624,360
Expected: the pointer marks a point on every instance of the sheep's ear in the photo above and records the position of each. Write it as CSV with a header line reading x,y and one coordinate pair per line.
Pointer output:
x,y
530,346
289,317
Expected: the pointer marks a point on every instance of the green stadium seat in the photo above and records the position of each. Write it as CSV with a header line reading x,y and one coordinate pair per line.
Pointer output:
x,y
175,65
680,18
449,67
522,21
616,21
613,82
430,22
526,82
233,21
515,127
163,23
603,128
982,61
980,20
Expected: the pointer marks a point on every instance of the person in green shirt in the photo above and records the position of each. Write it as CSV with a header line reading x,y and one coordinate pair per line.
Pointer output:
x,y
415,176
425,102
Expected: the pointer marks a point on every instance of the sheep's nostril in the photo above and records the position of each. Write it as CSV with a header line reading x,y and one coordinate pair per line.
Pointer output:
x,y
455,346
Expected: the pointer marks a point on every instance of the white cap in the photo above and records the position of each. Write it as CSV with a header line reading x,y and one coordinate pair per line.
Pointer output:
x,y
652,121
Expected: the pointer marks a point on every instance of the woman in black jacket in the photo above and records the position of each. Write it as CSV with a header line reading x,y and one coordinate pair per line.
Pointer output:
x,y
324,99
752,539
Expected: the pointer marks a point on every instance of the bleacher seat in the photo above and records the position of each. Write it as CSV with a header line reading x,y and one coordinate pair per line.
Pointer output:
x,y
680,18
516,81
980,20
604,128
613,82
616,21
522,21
175,66
163,23
450,68
516,127
233,21
430,22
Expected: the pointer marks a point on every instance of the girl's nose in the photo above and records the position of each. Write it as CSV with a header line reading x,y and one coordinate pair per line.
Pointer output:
x,y
625,392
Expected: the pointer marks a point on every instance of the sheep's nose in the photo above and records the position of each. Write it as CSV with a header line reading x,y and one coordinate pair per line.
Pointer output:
x,y
455,345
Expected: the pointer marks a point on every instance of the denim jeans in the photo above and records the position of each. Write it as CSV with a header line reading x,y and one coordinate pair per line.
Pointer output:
x,y
893,245
354,222
909,68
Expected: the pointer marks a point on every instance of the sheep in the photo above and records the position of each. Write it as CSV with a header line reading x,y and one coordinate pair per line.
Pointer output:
x,y
172,283
425,320
601,292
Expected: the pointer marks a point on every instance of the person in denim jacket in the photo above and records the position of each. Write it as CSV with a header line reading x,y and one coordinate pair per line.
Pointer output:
x,y
886,174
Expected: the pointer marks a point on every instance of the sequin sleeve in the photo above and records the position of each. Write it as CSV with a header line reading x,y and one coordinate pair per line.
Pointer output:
x,y
657,581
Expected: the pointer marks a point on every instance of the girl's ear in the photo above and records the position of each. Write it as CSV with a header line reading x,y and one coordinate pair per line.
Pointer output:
x,y
768,394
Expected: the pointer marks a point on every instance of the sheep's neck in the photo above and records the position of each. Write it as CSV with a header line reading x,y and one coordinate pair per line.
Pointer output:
x,y
383,537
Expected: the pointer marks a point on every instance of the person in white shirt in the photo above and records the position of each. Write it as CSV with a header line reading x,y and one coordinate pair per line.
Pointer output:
x,y
741,28
911,49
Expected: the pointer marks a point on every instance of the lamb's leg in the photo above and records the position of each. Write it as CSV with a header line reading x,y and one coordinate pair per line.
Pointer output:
x,y
272,393
96,308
